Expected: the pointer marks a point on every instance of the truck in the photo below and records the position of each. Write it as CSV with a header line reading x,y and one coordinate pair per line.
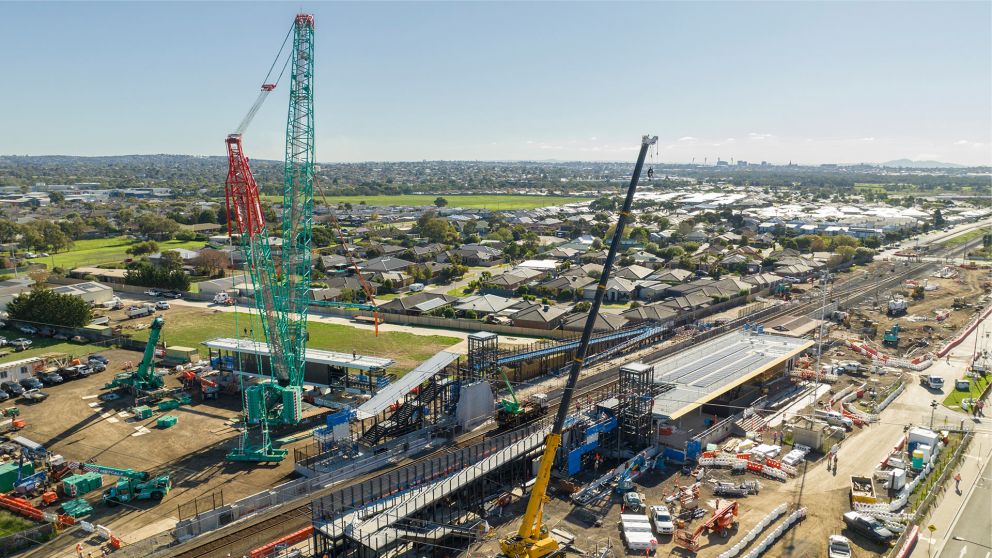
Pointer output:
x,y
131,485
932,382
224,298
834,418
139,311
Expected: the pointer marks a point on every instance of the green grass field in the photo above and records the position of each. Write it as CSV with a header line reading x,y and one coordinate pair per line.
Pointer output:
x,y
10,523
965,237
105,250
189,327
41,346
953,400
486,201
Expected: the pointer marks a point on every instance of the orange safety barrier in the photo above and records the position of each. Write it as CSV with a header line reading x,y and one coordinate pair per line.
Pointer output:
x,y
709,454
743,456
288,540
754,467
774,464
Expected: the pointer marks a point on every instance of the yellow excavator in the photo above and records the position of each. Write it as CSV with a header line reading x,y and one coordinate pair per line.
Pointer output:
x,y
534,540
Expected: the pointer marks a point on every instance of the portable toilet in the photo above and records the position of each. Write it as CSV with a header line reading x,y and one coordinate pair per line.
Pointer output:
x,y
917,462
926,449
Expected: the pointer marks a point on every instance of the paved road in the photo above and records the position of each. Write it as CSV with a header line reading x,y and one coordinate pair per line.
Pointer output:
x,y
971,535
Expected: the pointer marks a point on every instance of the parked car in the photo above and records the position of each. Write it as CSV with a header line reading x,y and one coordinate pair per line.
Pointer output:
x,y
662,518
30,330
153,292
31,383
60,337
78,339
21,343
51,378
868,526
97,366
162,305
3,341
95,357
4,396
34,396
838,546
73,372
12,387
172,294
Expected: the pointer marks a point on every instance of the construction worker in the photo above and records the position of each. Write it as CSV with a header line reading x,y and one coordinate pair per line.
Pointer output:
x,y
79,550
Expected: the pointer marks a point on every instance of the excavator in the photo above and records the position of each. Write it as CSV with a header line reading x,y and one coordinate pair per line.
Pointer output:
x,y
534,540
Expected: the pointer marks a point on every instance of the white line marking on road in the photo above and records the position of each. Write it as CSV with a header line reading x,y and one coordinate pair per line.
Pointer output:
x,y
964,550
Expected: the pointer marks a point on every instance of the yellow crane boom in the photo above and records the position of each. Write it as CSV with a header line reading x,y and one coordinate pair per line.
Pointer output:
x,y
533,540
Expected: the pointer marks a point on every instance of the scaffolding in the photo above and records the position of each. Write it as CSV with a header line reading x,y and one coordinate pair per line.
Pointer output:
x,y
483,355
636,396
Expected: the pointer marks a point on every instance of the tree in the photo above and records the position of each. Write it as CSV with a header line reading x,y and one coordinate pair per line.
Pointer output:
x,y
938,220
45,236
142,248
440,202
206,215
56,197
8,231
157,226
46,306
211,262
147,275
170,260
582,307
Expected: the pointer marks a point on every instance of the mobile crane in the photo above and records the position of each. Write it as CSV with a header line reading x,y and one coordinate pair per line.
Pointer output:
x,y
131,484
534,539
144,378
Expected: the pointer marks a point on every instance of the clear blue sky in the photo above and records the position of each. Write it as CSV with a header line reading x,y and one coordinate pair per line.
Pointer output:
x,y
809,82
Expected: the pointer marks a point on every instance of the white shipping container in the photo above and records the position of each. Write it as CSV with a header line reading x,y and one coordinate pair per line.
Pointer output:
x,y
639,540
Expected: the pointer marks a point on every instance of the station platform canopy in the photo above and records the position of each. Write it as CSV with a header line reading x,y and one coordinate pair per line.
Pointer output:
x,y
316,356
706,371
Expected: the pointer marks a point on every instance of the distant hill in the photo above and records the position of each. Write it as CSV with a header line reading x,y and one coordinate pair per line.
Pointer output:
x,y
911,164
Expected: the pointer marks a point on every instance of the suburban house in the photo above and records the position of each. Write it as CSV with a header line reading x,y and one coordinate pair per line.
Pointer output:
x,y
671,276
113,276
567,283
484,304
604,322
386,264
618,289
657,313
540,316
187,255
633,272
474,255
418,303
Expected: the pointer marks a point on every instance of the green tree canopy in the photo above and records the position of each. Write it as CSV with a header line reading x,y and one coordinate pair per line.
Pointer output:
x,y
46,306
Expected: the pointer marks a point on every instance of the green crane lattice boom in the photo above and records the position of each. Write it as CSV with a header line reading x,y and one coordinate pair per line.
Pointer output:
x,y
282,290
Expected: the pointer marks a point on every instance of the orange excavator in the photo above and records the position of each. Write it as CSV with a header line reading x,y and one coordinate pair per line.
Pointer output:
x,y
721,520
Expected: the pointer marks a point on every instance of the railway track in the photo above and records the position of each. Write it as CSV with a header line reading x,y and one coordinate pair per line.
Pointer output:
x,y
253,533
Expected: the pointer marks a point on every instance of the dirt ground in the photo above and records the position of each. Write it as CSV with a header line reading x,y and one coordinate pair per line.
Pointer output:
x,y
920,332
73,422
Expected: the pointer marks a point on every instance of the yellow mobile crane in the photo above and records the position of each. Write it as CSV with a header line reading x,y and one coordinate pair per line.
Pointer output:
x,y
533,540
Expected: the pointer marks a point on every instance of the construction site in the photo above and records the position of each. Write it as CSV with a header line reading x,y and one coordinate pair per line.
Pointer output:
x,y
758,434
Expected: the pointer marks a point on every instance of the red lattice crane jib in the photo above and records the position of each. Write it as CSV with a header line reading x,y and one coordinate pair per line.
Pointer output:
x,y
244,209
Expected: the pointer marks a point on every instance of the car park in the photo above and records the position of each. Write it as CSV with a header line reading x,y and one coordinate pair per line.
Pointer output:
x,y
51,378
12,388
34,396
31,383
868,526
662,518
162,305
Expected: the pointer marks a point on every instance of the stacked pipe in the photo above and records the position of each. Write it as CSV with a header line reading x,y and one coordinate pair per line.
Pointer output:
x,y
768,541
754,532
